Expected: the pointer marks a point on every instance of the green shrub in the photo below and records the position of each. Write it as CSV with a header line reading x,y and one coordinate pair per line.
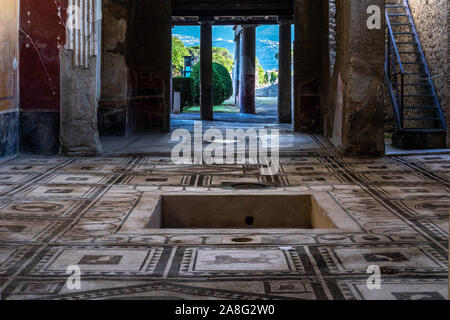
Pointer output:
x,y
222,84
183,85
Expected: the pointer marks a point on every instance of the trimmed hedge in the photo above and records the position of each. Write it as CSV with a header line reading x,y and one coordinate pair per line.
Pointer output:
x,y
183,85
222,84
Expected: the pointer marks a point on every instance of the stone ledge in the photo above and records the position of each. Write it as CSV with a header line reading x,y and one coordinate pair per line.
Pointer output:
x,y
419,140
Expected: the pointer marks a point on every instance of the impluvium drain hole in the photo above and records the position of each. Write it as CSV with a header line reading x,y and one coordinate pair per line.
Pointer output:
x,y
249,221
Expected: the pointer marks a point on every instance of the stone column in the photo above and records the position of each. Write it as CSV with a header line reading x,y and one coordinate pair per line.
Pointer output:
x,y
248,59
149,61
80,83
206,70
357,95
284,71
237,63
311,36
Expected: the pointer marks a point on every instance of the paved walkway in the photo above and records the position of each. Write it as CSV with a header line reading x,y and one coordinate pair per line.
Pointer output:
x,y
161,143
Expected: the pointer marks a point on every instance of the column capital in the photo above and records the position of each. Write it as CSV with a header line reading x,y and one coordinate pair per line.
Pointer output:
x,y
237,32
285,19
206,20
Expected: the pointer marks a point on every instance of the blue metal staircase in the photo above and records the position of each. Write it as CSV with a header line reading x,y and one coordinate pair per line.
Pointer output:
x,y
413,95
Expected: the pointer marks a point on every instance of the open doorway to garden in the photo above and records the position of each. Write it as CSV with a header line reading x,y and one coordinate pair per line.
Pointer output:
x,y
228,60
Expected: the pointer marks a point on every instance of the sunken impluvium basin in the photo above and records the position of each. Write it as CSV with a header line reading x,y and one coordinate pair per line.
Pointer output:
x,y
237,211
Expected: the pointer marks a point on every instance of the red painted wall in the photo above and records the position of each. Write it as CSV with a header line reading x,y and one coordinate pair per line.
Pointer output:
x,y
42,34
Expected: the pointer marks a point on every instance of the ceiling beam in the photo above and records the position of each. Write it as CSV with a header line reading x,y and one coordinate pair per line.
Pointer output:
x,y
192,21
232,7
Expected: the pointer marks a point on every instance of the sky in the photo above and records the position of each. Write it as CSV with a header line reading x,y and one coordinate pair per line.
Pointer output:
x,y
267,41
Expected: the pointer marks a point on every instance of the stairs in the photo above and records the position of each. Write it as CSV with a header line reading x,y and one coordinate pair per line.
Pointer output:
x,y
418,113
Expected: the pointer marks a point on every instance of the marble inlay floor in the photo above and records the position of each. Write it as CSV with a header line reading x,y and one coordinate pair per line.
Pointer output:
x,y
56,212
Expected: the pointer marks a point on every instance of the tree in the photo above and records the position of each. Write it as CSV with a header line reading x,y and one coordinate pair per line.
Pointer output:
x,y
261,72
273,77
194,52
223,56
266,78
220,55
222,84
179,51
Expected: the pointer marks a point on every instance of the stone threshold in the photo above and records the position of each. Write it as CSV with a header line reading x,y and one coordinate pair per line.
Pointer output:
x,y
398,152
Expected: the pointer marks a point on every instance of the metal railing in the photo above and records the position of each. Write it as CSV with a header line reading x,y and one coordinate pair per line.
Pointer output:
x,y
395,74
429,78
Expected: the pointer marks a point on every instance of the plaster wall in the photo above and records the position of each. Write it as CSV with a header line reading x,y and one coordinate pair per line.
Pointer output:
x,y
113,110
8,78
136,67
42,36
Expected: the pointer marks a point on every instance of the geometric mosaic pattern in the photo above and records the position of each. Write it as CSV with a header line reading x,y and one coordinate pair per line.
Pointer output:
x,y
56,212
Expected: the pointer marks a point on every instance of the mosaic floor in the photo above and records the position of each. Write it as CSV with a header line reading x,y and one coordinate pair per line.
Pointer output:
x,y
56,212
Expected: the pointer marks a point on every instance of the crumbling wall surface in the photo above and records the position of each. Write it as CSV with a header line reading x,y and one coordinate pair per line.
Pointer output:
x,y
79,135
447,77
136,66
355,123
112,112
8,78
431,19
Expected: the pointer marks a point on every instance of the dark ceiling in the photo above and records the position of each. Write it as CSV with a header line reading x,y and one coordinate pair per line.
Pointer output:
x,y
230,8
